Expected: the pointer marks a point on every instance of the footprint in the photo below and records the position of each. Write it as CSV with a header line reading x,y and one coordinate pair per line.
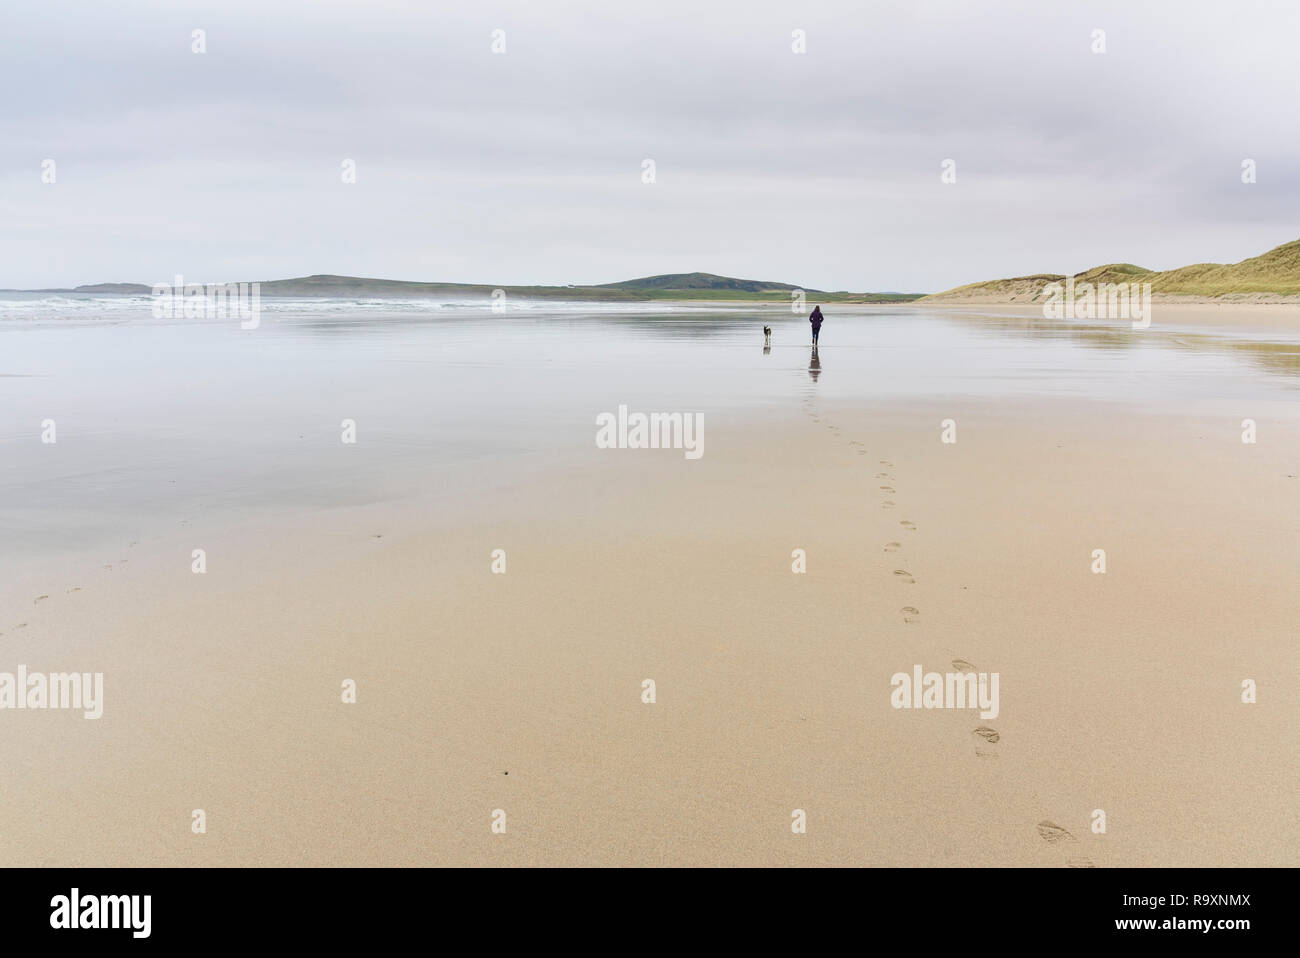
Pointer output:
x,y
1054,834
904,574
75,588
961,665
886,462
39,598
888,488
910,613
989,735
887,504
883,475
893,546
908,524
21,625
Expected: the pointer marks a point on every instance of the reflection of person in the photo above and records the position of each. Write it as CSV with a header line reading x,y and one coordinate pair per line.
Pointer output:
x,y
816,320
814,365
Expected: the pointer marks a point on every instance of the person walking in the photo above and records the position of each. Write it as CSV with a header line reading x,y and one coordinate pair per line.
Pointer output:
x,y
816,320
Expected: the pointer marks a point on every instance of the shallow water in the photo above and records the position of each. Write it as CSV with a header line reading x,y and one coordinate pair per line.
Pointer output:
x,y
163,421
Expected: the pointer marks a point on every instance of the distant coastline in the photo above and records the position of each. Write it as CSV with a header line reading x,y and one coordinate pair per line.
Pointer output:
x,y
1273,278
671,286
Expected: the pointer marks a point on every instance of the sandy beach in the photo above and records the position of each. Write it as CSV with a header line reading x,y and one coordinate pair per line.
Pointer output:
x,y
522,691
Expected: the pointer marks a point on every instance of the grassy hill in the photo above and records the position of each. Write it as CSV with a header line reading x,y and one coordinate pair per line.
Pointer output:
x,y
1274,274
709,281
669,286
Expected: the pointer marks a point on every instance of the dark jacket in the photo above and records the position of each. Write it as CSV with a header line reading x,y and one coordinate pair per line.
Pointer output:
x,y
816,318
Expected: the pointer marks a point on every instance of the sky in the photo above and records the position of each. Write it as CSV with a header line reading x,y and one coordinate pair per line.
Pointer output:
x,y
821,168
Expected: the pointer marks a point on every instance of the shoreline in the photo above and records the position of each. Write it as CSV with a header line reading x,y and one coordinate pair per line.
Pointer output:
x,y
1227,317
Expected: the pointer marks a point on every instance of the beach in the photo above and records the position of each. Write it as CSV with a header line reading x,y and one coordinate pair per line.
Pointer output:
x,y
523,690
1184,312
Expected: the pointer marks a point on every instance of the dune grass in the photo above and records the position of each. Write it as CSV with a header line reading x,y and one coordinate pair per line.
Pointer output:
x,y
1276,272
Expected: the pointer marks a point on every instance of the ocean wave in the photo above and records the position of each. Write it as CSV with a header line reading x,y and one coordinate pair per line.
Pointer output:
x,y
53,306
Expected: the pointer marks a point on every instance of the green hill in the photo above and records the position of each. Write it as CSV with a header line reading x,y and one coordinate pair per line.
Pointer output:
x,y
682,281
1274,274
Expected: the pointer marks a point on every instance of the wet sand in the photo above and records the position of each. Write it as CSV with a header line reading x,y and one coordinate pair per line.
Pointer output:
x,y
1230,316
523,691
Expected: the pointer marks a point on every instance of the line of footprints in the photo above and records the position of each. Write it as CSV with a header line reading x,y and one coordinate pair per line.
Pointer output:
x,y
986,737
41,598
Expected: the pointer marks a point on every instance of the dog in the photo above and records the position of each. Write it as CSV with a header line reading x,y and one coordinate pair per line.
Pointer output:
x,y
767,335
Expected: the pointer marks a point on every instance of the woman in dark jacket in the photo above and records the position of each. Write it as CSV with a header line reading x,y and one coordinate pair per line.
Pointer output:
x,y
816,320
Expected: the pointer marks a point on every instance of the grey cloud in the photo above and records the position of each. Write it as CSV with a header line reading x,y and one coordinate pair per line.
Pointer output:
x,y
821,169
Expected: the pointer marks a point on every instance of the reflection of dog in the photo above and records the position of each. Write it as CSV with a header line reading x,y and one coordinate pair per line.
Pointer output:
x,y
767,335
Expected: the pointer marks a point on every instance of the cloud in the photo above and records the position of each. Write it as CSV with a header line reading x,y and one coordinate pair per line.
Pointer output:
x,y
821,169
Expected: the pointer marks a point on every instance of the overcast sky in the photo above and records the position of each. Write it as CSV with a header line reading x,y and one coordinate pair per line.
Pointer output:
x,y
821,169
